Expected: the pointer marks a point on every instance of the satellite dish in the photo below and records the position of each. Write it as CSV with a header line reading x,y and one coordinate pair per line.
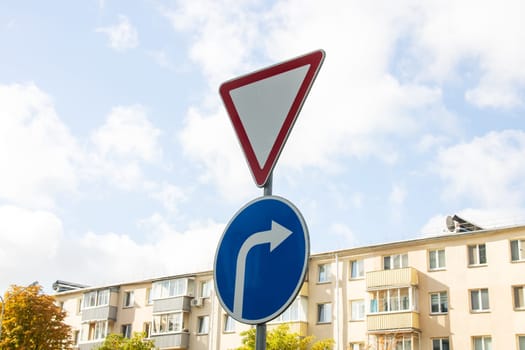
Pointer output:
x,y
450,224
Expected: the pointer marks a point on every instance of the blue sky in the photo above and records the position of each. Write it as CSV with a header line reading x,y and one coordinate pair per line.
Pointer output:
x,y
118,160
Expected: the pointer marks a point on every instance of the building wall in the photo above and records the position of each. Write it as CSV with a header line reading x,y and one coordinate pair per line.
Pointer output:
x,y
501,322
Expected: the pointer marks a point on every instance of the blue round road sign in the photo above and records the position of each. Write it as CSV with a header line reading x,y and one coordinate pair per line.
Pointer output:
x,y
261,260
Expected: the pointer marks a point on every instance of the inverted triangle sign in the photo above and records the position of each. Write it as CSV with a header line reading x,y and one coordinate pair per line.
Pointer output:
x,y
264,105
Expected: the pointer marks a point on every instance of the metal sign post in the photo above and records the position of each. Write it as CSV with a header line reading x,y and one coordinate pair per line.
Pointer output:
x,y
260,329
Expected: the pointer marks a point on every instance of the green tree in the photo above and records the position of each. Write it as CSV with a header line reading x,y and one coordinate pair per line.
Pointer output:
x,y
280,338
118,342
32,321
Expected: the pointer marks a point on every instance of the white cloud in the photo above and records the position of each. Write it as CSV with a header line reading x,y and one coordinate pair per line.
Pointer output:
x,y
346,235
128,133
122,36
488,171
170,196
29,243
113,257
482,35
211,140
162,59
37,152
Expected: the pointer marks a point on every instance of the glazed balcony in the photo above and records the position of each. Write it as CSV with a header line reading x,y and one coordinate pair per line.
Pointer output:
x,y
391,278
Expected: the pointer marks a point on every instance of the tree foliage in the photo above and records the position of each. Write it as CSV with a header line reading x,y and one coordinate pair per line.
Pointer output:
x,y
280,338
32,321
118,342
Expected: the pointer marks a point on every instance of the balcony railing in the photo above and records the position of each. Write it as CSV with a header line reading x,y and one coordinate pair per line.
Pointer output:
x,y
392,321
172,340
107,312
392,278
180,303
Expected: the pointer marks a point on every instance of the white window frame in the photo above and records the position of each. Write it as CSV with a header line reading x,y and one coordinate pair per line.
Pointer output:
x,y
357,346
483,340
475,256
357,310
395,261
436,259
357,269
324,313
476,295
323,275
393,300
520,339
518,295
96,298
172,322
229,324
149,296
203,324
126,330
128,299
517,250
439,342
205,289
442,298
170,288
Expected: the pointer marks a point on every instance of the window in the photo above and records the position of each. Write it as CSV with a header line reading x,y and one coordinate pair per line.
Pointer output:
x,y
126,330
357,346
436,259
521,342
324,313
205,289
440,344
479,300
229,324
166,323
357,310
94,330
128,299
79,305
324,273
392,300
438,303
517,248
146,328
203,323
357,269
96,298
519,297
482,343
76,337
477,254
170,288
396,261
149,296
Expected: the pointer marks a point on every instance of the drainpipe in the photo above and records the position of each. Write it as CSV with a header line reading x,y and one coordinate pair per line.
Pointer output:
x,y
336,304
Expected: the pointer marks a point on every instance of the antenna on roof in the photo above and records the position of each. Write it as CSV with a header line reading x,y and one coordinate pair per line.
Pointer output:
x,y
450,224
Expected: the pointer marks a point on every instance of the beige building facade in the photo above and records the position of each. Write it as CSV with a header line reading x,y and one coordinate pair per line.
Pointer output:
x,y
459,291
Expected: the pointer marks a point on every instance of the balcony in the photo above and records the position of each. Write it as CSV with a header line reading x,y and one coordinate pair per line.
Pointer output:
x,y
171,340
391,278
106,312
91,345
408,320
180,303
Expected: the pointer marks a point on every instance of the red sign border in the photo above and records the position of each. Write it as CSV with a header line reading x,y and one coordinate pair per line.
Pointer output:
x,y
314,60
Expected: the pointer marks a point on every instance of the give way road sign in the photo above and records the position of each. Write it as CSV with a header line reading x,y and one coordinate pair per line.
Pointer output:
x,y
261,260
264,105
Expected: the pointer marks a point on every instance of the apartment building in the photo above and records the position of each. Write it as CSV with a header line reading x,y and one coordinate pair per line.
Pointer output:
x,y
460,290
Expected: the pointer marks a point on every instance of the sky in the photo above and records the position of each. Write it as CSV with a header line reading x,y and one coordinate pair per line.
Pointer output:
x,y
118,161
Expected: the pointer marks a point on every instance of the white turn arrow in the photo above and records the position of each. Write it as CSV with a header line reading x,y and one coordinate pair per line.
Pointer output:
x,y
275,236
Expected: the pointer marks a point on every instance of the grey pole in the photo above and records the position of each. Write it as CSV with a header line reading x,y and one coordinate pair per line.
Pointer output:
x,y
260,329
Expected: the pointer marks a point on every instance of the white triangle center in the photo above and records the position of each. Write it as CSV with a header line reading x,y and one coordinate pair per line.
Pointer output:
x,y
263,106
